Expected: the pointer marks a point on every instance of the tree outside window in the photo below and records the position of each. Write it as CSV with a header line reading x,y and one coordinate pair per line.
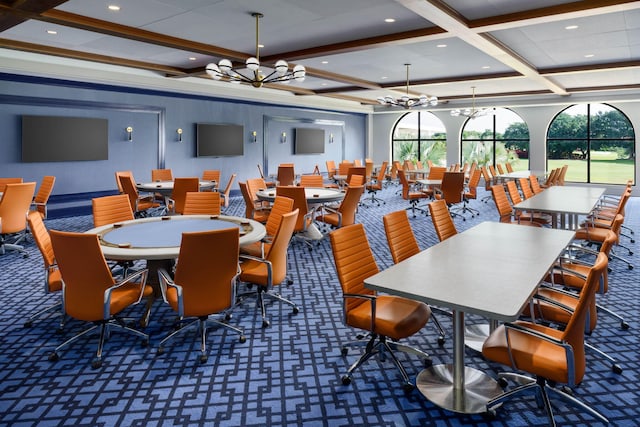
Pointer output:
x,y
419,136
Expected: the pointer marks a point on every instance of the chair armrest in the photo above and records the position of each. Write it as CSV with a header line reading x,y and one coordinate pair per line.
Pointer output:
x,y
371,298
142,274
263,261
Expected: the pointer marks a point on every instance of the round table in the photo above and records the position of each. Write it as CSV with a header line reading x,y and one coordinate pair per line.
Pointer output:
x,y
166,187
313,195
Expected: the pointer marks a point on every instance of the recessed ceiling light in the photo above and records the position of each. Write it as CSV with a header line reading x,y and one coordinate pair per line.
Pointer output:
x,y
192,58
389,20
324,62
589,55
570,27
441,45
113,7
485,67
52,32
384,77
261,46
323,84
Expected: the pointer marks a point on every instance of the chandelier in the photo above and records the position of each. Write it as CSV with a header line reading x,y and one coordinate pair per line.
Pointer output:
x,y
280,73
472,112
407,101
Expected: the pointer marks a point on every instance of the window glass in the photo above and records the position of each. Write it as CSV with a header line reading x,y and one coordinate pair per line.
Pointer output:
x,y
419,135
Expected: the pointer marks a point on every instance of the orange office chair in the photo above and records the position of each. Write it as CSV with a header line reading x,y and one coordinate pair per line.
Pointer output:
x,y
270,271
312,180
509,167
161,175
525,187
5,181
549,354
52,277
140,204
356,175
304,218
376,185
514,194
386,318
90,292
41,198
111,209
411,195
118,175
345,214
281,205
451,191
505,210
14,206
181,186
535,184
442,221
471,193
253,186
251,209
211,175
344,166
225,194
204,282
331,168
269,184
403,244
201,203
286,175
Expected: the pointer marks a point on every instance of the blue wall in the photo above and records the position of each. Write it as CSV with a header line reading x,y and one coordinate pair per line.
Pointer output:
x,y
155,117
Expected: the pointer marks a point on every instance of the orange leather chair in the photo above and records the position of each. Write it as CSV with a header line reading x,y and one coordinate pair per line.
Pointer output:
x,y
387,319
202,203
52,277
181,186
161,175
471,193
270,271
14,206
345,214
286,175
90,293
204,283
411,195
5,181
212,175
41,198
514,194
376,185
225,194
312,180
304,218
269,184
111,209
281,206
442,221
118,175
547,353
252,210
451,191
140,205
505,210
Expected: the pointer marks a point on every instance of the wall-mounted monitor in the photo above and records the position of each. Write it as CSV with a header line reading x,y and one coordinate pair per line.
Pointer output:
x,y
309,141
219,140
64,139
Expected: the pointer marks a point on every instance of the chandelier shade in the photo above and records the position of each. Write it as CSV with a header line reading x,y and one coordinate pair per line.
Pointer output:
x,y
472,112
224,69
408,101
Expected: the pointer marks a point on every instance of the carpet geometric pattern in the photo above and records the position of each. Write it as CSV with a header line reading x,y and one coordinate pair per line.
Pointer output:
x,y
287,374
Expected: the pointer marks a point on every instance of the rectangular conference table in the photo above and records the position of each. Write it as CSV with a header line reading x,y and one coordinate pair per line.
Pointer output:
x,y
564,202
492,270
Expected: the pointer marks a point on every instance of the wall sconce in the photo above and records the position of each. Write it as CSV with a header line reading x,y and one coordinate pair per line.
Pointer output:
x,y
330,138
129,130
179,132
283,138
254,136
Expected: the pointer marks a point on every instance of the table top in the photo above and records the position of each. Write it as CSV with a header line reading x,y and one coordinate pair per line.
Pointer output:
x,y
166,187
491,269
159,237
313,195
565,199
429,181
521,174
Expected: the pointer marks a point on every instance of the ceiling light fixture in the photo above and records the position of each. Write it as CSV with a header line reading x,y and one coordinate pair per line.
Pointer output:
x,y
280,74
472,112
407,101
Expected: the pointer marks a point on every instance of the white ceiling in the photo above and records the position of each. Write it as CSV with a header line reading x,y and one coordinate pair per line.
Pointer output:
x,y
507,49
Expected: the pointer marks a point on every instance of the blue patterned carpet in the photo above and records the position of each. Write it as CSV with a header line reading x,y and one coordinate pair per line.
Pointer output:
x,y
287,374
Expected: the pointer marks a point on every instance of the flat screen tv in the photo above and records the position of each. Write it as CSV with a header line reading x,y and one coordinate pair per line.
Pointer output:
x,y
64,139
309,141
219,140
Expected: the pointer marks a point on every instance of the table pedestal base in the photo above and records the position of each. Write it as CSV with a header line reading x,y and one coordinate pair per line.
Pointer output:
x,y
436,384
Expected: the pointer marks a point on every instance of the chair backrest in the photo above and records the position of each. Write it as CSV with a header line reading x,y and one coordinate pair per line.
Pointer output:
x,y
382,172
357,163
118,175
408,165
349,204
452,187
14,206
354,263
509,167
472,185
201,203
181,186
343,167
442,221
161,175
206,269
253,185
356,170
281,205
500,168
552,177
277,252
44,192
473,168
437,172
562,174
368,170
129,188
211,175
227,190
486,177
492,170
85,274
286,175
527,192
502,202
5,181
356,180
400,238
53,280
297,194
249,205
535,185
311,181
514,194
331,168
110,209
405,184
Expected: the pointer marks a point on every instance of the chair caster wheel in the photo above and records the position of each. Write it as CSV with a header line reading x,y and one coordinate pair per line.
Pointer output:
x,y
616,369
289,282
428,363
296,310
59,331
160,350
440,341
408,387
344,351
228,316
265,323
28,324
346,380
242,339
359,336
624,325
54,357
630,267
95,364
145,343
203,359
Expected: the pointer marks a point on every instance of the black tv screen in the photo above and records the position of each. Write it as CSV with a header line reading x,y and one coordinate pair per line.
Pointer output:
x,y
309,141
64,139
219,140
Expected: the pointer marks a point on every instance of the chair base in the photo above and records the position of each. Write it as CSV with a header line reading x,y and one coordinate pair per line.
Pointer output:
x,y
104,332
541,388
4,247
260,294
47,310
373,199
379,344
201,323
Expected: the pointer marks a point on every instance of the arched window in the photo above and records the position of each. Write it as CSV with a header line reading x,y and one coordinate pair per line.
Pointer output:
x,y
597,141
419,135
498,137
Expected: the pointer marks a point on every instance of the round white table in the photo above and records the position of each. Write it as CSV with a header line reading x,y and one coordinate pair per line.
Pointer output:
x,y
313,195
166,187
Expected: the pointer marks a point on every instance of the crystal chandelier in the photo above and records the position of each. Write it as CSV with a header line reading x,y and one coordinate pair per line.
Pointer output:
x,y
280,73
407,101
472,112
